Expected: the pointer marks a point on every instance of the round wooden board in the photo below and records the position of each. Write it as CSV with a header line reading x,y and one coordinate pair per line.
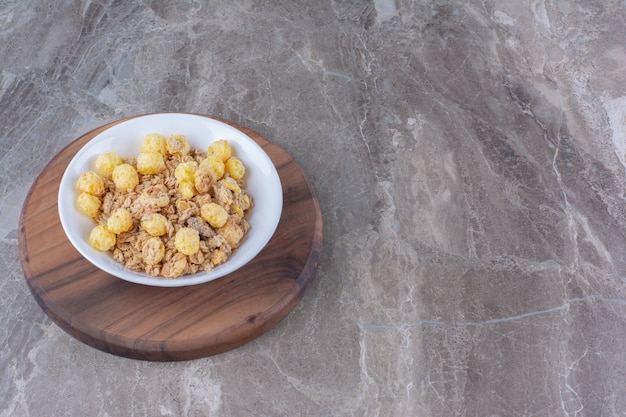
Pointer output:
x,y
167,324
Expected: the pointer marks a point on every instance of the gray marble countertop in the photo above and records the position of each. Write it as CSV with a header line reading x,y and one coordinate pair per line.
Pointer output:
x,y
469,159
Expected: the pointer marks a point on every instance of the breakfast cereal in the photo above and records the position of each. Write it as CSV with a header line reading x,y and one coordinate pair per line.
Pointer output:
x,y
171,210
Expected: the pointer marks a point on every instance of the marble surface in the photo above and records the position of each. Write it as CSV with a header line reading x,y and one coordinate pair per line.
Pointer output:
x,y
470,162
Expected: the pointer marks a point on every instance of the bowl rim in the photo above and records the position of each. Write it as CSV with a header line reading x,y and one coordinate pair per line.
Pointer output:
x,y
252,149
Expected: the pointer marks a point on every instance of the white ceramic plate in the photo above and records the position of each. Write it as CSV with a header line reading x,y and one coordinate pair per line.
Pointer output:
x,y
125,138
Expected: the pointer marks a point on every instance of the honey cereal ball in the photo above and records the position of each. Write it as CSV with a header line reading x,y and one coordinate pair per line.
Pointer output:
x,y
214,214
153,251
187,189
215,164
101,238
92,183
120,221
88,204
178,145
125,177
106,162
187,241
235,168
155,224
185,171
220,149
154,142
150,162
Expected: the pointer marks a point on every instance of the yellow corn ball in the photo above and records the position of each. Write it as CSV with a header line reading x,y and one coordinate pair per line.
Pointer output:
x,y
187,241
101,238
153,251
214,214
187,189
155,224
154,142
232,232
185,170
106,162
235,168
232,185
215,164
91,183
125,177
120,221
149,163
88,204
178,145
220,149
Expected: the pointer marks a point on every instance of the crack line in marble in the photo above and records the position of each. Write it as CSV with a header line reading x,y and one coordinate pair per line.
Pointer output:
x,y
338,75
421,323
616,274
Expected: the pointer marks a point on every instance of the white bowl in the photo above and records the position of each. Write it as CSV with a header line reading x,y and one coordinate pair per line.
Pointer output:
x,y
125,138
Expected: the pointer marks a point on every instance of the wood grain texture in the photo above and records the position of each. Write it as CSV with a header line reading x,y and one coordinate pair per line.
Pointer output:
x,y
165,324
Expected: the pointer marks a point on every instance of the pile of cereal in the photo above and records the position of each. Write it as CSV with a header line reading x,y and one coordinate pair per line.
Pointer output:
x,y
169,212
